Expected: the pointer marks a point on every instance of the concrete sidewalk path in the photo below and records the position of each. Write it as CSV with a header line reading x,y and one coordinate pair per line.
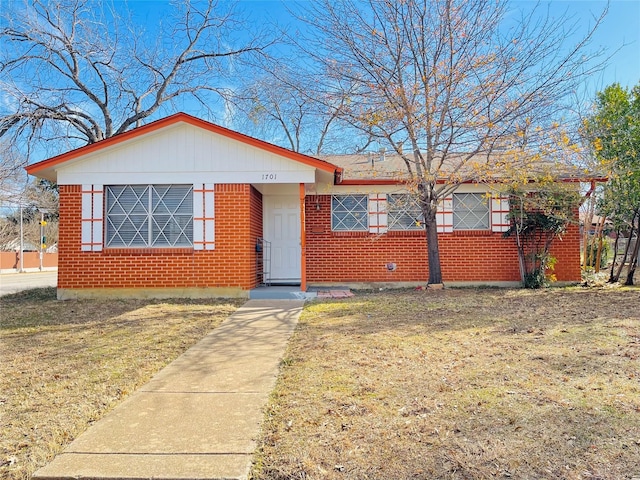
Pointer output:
x,y
199,417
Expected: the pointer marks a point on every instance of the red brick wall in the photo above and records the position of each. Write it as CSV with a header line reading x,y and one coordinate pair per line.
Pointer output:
x,y
231,264
255,232
567,251
331,256
474,256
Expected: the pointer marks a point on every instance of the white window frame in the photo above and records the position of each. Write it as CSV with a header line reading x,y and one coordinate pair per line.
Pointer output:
x,y
350,213
404,212
471,211
138,216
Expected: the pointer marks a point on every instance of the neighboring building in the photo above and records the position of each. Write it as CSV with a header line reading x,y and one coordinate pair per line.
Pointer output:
x,y
184,207
14,246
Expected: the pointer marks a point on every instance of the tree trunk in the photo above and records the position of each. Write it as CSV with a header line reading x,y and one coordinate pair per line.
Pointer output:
x,y
624,257
522,262
612,273
633,261
588,219
598,235
631,272
435,269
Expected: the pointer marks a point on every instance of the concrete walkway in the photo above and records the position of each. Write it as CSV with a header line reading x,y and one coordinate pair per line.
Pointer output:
x,y
199,417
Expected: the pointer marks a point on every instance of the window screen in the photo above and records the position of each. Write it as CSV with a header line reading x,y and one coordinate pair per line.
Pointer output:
x,y
470,211
349,213
404,213
149,216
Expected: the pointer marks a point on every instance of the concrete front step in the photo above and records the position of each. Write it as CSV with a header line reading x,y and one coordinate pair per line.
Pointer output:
x,y
291,293
276,292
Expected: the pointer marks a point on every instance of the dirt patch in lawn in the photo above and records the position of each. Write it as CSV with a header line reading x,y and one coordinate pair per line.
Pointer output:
x,y
65,364
460,384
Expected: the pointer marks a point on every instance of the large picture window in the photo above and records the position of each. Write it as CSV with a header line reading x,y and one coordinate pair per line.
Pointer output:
x,y
149,216
470,211
349,213
404,213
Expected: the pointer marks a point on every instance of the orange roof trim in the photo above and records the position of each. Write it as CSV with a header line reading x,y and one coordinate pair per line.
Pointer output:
x,y
191,120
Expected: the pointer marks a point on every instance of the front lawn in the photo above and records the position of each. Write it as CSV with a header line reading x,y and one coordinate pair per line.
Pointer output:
x,y
65,364
460,384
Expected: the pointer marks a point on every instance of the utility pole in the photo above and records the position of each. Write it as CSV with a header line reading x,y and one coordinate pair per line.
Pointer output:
x,y
21,241
42,237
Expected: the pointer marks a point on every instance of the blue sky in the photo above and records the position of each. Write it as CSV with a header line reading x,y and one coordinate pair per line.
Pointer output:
x,y
619,34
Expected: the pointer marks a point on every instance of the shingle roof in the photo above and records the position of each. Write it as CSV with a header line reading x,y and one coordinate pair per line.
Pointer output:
x,y
460,168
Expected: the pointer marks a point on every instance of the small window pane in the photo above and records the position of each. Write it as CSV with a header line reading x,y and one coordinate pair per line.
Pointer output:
x,y
349,213
470,211
149,216
404,213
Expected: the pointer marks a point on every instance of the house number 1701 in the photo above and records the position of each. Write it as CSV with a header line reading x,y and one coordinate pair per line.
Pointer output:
x,y
269,176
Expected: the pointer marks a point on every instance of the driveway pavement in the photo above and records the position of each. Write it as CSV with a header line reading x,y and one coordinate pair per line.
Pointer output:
x,y
16,282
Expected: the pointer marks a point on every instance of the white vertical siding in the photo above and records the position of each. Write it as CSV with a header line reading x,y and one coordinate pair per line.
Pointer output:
x,y
180,154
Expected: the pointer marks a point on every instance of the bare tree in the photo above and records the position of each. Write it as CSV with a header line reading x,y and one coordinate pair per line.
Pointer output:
x,y
32,233
80,71
24,207
12,175
284,107
446,83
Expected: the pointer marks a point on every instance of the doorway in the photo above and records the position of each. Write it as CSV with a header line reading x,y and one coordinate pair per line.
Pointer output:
x,y
282,230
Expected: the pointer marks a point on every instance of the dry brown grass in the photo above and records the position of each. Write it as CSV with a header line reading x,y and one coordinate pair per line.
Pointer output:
x,y
460,384
65,364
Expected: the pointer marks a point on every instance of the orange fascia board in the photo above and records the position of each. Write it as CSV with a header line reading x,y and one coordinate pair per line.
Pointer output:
x,y
185,118
586,179
379,181
385,181
372,181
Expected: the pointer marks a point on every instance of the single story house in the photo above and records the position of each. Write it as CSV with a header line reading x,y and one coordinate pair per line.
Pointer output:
x,y
183,207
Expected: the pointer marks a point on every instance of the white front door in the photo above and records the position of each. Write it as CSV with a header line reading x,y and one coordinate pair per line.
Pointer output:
x,y
282,229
